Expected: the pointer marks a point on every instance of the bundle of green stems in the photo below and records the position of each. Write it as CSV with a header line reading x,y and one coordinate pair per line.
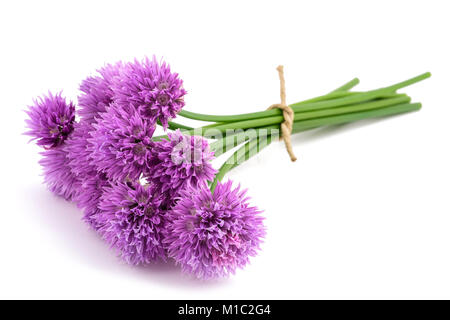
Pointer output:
x,y
254,131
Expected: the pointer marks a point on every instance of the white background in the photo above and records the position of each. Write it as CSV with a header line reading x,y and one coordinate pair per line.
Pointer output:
x,y
363,213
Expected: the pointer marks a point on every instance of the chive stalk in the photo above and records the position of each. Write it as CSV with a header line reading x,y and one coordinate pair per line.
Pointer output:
x,y
248,150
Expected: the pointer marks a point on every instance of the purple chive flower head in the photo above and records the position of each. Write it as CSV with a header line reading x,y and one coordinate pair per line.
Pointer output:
x,y
180,162
79,150
57,174
131,221
151,88
91,190
91,183
210,235
51,120
122,143
97,93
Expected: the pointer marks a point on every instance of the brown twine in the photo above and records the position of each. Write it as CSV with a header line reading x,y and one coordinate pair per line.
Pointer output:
x,y
288,114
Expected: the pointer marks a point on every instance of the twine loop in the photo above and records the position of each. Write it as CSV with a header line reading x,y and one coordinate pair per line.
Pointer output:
x,y
288,115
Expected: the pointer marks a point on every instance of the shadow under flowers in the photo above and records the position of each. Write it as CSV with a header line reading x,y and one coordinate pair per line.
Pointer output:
x,y
62,221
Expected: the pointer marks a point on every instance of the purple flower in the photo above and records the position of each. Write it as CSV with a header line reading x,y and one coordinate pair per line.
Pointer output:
x,y
131,221
51,120
91,182
57,174
79,150
210,235
122,143
178,163
97,93
151,89
89,197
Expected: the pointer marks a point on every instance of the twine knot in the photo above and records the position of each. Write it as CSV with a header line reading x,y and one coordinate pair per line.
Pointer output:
x,y
288,115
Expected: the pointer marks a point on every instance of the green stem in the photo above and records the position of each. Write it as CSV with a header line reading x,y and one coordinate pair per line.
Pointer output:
x,y
255,115
225,144
339,91
230,141
346,118
244,153
209,131
345,99
347,86
174,126
300,126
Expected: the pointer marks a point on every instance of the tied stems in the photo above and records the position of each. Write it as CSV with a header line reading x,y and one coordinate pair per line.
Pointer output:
x,y
254,146
258,129
222,127
331,100
267,123
211,131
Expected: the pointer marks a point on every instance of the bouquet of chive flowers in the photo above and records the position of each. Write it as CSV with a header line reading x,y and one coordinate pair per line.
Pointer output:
x,y
154,198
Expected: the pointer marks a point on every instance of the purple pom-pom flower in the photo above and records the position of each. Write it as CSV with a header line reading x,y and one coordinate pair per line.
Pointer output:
x,y
97,94
210,235
122,143
131,221
91,182
180,162
151,88
79,150
51,120
58,176
91,190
